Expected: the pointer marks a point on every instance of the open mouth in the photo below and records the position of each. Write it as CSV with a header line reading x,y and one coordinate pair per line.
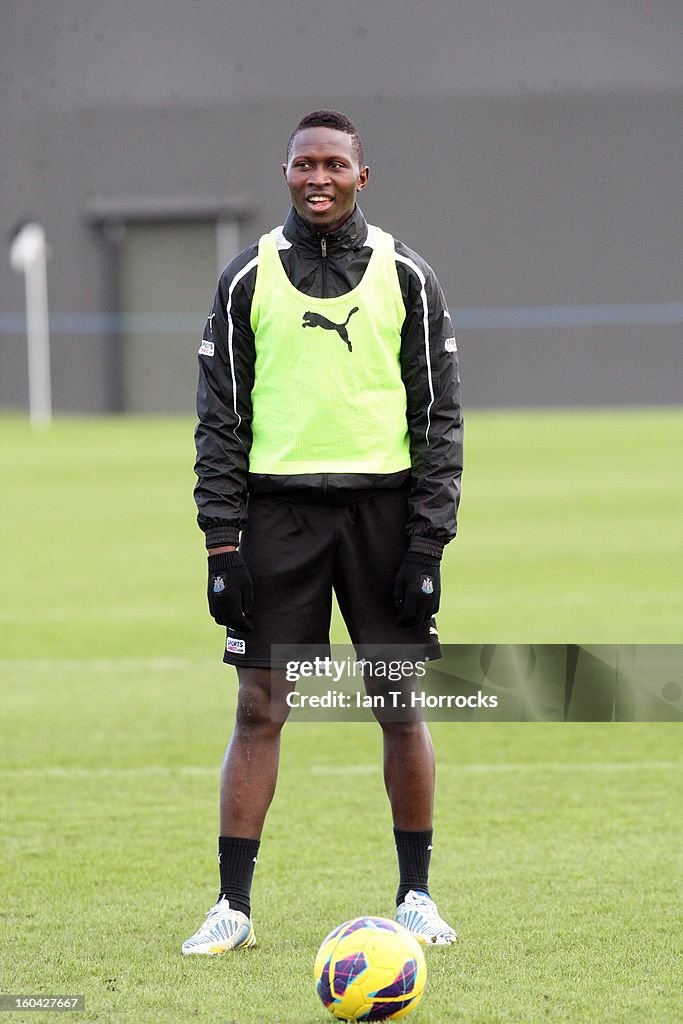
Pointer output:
x,y
319,200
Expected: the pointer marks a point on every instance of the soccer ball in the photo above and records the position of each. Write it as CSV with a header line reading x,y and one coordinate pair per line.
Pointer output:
x,y
370,968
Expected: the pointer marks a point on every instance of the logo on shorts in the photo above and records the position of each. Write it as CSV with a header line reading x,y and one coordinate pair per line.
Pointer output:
x,y
218,584
206,348
427,585
234,646
451,345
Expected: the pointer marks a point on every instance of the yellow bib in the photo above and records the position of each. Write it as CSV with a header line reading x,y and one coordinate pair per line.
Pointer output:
x,y
328,395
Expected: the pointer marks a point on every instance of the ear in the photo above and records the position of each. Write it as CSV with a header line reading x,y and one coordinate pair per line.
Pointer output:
x,y
363,176
284,171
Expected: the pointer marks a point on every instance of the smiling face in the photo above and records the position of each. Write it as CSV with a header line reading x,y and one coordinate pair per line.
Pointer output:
x,y
323,175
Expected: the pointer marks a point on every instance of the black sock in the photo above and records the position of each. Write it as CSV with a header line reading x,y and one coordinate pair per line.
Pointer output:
x,y
414,851
237,860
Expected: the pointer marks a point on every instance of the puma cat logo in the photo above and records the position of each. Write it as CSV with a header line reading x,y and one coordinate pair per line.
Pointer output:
x,y
317,320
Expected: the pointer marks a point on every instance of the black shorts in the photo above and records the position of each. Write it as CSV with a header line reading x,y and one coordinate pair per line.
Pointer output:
x,y
298,552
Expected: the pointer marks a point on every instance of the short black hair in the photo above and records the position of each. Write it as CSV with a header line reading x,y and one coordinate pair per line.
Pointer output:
x,y
330,119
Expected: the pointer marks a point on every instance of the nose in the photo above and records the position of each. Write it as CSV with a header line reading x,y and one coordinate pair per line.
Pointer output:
x,y
318,175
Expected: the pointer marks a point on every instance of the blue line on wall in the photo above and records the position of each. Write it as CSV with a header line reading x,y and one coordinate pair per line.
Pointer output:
x,y
505,317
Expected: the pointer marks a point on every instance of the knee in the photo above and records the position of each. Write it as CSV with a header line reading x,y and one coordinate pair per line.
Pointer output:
x,y
255,708
402,731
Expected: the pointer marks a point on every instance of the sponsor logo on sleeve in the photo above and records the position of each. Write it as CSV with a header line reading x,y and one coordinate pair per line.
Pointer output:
x,y
451,345
206,348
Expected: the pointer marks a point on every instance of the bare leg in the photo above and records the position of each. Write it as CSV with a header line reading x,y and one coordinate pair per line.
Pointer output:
x,y
251,762
409,774
409,769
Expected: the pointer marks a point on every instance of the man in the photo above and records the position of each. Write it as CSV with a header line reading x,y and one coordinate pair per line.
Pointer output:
x,y
330,438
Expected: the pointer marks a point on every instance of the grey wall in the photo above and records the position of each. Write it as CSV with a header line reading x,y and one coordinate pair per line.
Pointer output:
x,y
531,151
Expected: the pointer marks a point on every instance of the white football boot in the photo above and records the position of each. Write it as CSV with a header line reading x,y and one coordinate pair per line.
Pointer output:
x,y
419,915
223,930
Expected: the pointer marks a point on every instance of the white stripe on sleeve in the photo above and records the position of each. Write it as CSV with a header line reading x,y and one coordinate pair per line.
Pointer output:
x,y
228,310
425,327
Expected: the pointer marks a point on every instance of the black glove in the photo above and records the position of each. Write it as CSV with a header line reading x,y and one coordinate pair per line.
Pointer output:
x,y
417,590
230,592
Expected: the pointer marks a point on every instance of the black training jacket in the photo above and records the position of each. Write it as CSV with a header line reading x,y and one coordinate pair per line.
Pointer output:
x,y
327,266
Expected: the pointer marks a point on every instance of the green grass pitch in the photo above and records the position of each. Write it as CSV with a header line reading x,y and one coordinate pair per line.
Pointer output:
x,y
557,854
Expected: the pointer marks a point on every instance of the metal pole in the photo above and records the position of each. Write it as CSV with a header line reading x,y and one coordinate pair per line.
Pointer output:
x,y
29,254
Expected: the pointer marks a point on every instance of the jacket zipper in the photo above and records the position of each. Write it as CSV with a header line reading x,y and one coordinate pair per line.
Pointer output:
x,y
323,254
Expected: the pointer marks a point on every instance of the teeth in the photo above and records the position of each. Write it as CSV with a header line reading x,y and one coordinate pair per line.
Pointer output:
x,y
318,199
